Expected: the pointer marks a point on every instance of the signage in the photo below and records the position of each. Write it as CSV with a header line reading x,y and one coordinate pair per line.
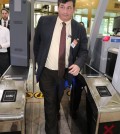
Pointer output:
x,y
9,96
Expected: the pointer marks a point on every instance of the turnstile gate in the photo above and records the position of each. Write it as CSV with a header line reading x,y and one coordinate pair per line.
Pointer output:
x,y
12,105
103,106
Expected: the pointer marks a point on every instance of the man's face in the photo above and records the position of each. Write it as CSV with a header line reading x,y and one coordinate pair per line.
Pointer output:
x,y
66,10
4,15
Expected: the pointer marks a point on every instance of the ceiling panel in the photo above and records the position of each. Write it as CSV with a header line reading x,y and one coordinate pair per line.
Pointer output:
x,y
113,5
4,1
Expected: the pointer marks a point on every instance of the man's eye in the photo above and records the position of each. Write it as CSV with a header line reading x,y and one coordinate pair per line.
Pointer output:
x,y
69,8
61,7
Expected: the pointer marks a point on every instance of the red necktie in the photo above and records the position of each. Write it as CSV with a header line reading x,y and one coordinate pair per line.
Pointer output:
x,y
62,51
4,23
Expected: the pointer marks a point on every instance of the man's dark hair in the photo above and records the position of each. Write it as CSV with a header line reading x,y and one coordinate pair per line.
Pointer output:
x,y
64,1
4,9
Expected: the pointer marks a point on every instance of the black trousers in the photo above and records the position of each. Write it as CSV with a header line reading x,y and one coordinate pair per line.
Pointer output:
x,y
52,88
4,62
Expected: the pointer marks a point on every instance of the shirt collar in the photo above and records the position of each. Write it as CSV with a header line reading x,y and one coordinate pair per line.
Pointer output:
x,y
4,20
60,21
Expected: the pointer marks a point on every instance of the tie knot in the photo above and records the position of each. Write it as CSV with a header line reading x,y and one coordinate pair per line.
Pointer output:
x,y
64,24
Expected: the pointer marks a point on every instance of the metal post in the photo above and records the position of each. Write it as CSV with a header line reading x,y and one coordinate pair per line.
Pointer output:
x,y
96,25
32,38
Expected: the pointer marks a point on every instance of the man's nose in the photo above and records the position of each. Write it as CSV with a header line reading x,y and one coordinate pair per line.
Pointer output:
x,y
65,10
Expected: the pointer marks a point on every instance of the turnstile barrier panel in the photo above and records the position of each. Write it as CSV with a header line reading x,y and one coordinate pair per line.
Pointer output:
x,y
102,112
109,128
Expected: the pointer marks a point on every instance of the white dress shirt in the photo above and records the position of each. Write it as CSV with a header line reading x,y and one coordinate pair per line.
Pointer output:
x,y
52,59
4,38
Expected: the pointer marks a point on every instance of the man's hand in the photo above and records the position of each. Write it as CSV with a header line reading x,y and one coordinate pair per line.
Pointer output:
x,y
74,70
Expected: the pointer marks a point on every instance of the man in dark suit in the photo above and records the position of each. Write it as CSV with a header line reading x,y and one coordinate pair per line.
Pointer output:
x,y
47,41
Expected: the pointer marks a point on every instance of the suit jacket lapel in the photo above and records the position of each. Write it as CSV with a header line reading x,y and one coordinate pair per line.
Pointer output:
x,y
73,30
73,33
51,29
8,24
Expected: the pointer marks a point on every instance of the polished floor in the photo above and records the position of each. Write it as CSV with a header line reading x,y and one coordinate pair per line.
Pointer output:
x,y
35,121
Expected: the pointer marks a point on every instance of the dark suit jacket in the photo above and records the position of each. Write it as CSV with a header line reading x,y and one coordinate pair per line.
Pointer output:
x,y
42,41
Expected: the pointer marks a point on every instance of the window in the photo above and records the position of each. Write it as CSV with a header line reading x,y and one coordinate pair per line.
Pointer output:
x,y
77,18
85,20
110,27
36,18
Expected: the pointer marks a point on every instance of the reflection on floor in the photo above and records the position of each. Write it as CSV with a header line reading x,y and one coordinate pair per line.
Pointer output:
x,y
35,121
